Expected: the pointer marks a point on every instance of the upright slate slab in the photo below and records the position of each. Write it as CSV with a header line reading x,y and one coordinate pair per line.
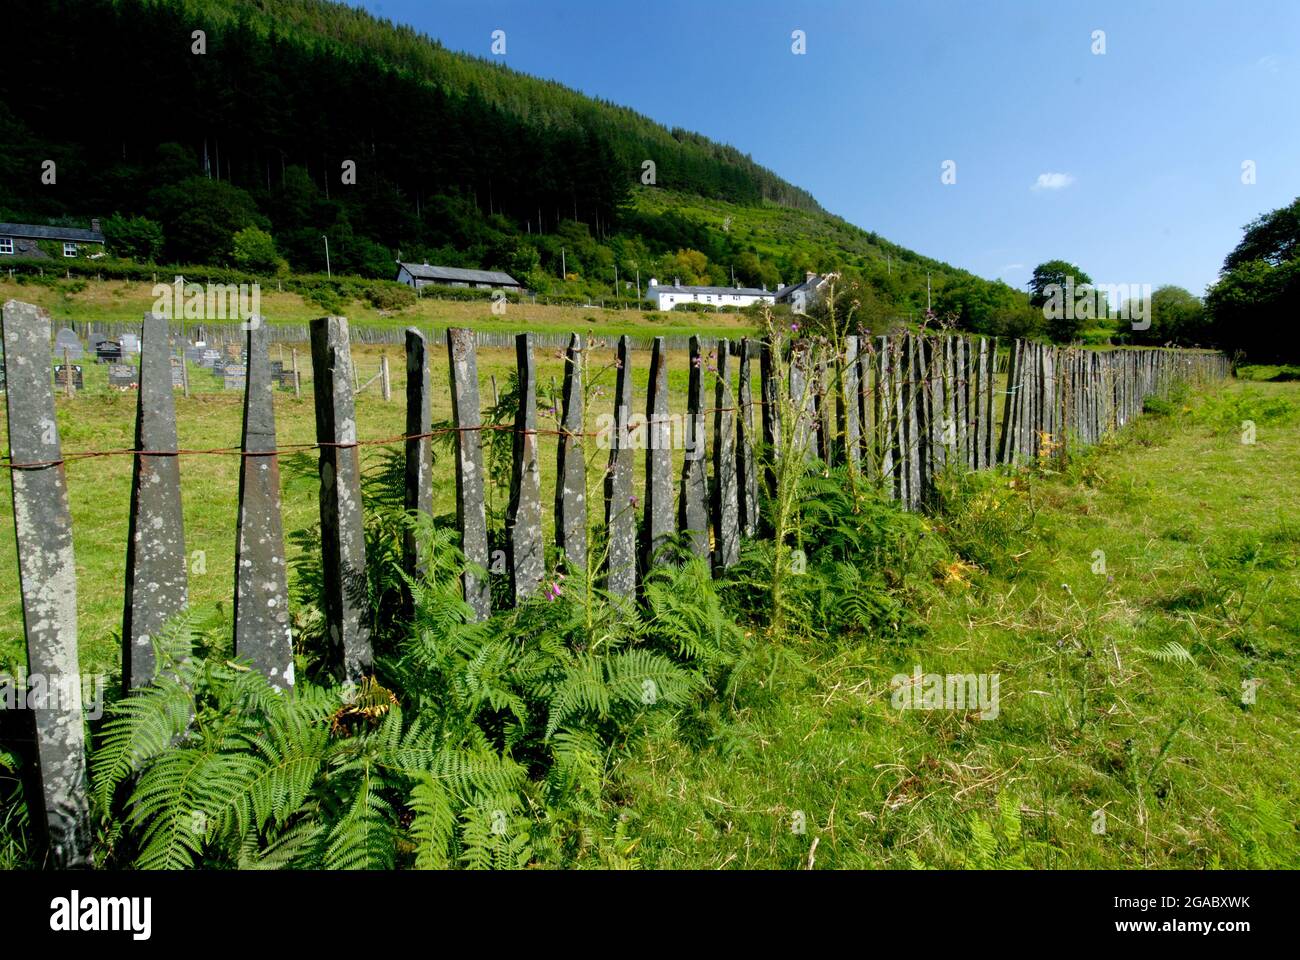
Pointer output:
x,y
802,442
850,405
620,508
48,581
823,432
261,585
1007,441
571,464
769,365
471,505
343,539
693,502
156,587
746,460
726,483
659,456
417,487
524,514
886,418
914,449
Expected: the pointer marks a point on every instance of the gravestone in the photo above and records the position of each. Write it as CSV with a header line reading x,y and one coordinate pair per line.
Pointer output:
x,y
108,351
178,372
194,355
130,343
122,376
67,345
209,358
234,376
61,376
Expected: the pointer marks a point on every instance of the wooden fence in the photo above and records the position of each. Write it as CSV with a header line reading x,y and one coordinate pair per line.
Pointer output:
x,y
896,409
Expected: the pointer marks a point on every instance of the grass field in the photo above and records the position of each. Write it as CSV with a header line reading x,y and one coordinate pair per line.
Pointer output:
x,y
1122,738
1201,542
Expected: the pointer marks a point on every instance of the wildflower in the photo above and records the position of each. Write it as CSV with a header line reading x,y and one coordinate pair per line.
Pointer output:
x,y
634,500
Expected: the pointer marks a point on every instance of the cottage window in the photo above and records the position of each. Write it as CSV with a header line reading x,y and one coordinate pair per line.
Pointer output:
x,y
69,249
6,245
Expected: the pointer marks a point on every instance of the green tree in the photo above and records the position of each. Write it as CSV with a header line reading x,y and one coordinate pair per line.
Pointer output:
x,y
1049,291
134,238
202,218
254,250
1177,316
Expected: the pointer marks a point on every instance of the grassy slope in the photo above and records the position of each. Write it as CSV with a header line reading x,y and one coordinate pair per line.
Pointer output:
x,y
1202,540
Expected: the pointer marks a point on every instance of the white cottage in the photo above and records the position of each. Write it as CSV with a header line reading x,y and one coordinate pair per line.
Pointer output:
x,y
665,297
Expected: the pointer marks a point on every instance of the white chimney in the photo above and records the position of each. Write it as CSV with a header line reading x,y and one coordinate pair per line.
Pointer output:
x,y
654,282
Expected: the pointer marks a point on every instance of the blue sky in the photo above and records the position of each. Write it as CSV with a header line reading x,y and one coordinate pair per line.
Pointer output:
x,y
1146,141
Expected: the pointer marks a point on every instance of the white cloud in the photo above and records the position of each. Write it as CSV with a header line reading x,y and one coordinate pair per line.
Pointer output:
x,y
1053,181
1013,266
1269,63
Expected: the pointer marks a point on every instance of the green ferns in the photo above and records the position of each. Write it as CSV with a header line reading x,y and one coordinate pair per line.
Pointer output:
x,y
495,755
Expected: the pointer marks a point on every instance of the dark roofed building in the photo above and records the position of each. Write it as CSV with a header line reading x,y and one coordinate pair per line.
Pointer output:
x,y
422,274
32,240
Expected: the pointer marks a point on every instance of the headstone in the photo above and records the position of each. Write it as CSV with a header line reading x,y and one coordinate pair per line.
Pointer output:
x,y
62,373
209,357
235,376
130,343
155,547
194,355
122,376
108,351
524,514
471,507
48,583
178,372
67,344
343,538
261,589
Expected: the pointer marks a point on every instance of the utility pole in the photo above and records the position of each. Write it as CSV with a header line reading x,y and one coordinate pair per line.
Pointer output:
x,y
616,281
328,271
927,293
564,270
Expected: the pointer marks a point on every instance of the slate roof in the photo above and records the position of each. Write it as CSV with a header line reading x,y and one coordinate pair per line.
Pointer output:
x,y
713,291
423,271
35,232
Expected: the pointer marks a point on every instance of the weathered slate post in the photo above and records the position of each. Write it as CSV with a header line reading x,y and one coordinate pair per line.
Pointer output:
x,y
156,587
1007,441
912,418
571,465
726,491
620,509
48,580
342,524
866,406
261,584
746,465
693,503
849,406
886,413
659,456
471,504
771,409
417,495
822,423
524,515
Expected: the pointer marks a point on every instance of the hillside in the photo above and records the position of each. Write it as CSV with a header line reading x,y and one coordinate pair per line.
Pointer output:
x,y
236,156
